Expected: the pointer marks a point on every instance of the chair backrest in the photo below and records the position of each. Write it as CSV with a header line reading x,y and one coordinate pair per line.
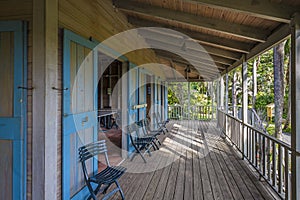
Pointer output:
x,y
91,150
131,129
146,123
141,125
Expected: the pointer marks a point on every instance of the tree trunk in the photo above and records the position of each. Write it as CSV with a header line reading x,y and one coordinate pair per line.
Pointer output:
x,y
288,81
278,87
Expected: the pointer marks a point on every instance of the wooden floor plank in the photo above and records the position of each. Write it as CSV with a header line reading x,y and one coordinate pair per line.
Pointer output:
x,y
191,166
235,173
171,186
235,191
253,183
179,188
197,182
226,193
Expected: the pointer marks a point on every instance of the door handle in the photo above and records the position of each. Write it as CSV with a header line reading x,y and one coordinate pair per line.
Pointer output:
x,y
84,120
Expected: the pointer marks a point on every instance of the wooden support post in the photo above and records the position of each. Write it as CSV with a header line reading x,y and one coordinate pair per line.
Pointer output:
x,y
222,92
226,91
245,103
124,104
45,99
254,89
295,104
233,92
218,98
166,100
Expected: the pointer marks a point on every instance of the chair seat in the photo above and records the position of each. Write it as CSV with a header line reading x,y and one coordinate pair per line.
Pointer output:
x,y
108,175
144,140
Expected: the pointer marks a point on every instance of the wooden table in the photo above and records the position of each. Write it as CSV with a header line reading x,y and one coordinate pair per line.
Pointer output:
x,y
105,116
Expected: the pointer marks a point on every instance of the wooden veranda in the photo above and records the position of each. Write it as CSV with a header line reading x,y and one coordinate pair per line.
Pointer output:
x,y
194,162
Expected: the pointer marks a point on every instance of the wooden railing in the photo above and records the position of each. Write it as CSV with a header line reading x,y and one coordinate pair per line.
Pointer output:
x,y
179,112
268,155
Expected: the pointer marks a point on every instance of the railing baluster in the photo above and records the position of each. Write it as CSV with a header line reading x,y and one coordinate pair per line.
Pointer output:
x,y
263,154
269,160
274,164
252,147
286,173
255,144
279,168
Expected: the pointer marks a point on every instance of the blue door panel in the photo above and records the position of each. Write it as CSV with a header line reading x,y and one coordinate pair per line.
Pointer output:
x,y
76,122
13,128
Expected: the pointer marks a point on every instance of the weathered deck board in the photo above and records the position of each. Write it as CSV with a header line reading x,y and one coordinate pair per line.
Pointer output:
x,y
194,162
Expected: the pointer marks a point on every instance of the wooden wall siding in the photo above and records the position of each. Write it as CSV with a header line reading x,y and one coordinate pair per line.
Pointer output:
x,y
7,74
6,149
98,19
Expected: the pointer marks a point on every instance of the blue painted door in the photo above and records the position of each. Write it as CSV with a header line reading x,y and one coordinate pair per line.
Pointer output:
x,y
79,110
12,110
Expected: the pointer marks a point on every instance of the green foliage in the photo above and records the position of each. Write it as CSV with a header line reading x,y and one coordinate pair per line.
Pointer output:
x,y
178,93
172,99
263,99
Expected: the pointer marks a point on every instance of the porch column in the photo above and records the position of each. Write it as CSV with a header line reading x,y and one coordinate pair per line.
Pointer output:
x,y
166,100
226,91
212,96
254,89
295,104
218,93
245,103
222,92
233,92
45,129
124,104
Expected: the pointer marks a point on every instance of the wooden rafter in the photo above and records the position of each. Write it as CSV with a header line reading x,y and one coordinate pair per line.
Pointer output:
x,y
201,38
242,31
265,9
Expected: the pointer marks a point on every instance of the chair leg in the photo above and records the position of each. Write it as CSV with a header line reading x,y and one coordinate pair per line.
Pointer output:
x,y
120,190
92,192
138,152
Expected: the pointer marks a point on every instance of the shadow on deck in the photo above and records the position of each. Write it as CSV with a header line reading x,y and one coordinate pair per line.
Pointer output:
x,y
194,162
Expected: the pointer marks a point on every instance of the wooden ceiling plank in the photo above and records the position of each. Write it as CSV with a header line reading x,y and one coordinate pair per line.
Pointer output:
x,y
265,9
238,30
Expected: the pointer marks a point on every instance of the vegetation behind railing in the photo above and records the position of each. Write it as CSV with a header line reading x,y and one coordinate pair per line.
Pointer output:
x,y
178,112
268,155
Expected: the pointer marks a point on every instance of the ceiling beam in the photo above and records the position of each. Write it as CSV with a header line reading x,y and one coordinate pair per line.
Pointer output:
x,y
190,79
280,34
188,52
197,65
242,31
265,9
202,38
